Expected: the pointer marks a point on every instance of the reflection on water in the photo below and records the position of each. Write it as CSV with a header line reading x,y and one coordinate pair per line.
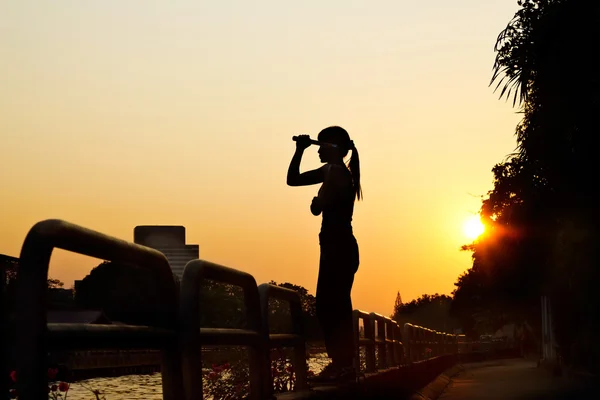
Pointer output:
x,y
120,387
137,387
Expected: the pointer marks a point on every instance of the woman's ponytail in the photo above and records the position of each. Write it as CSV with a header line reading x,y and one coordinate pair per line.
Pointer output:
x,y
354,166
339,136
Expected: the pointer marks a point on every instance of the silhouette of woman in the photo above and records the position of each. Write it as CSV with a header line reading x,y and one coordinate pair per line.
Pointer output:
x,y
339,257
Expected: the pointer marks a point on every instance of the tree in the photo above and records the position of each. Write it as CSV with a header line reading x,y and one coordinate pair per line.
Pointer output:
x,y
10,269
398,303
505,281
55,284
541,215
125,292
57,297
431,311
279,317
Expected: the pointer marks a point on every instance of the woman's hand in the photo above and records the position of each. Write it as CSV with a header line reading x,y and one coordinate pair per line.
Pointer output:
x,y
302,142
315,206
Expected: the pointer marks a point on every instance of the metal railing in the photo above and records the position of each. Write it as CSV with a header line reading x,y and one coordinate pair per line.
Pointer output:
x,y
194,336
295,339
386,346
35,335
422,343
180,338
368,341
382,341
256,337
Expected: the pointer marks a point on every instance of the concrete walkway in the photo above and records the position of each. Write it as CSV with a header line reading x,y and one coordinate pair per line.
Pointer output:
x,y
513,379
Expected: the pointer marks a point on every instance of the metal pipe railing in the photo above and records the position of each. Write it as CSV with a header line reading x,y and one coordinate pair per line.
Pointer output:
x,y
295,339
382,341
180,336
368,341
419,340
394,347
194,337
398,346
33,331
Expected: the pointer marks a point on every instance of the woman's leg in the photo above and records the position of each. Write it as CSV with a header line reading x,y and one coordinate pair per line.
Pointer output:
x,y
338,264
326,310
343,330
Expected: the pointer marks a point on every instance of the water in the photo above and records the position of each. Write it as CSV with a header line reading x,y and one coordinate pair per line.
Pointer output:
x,y
121,387
138,387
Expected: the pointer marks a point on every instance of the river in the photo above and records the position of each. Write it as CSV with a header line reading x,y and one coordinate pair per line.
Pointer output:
x,y
137,387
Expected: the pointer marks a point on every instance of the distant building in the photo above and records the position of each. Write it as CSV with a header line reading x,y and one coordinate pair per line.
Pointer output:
x,y
8,260
8,269
169,240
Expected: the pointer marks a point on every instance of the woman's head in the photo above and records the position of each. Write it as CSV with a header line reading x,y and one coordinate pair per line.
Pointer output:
x,y
339,137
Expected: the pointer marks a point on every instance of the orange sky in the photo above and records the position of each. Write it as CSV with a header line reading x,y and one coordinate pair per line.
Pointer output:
x,y
115,114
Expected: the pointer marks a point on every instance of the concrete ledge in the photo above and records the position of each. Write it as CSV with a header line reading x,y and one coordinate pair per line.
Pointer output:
x,y
352,390
393,383
422,380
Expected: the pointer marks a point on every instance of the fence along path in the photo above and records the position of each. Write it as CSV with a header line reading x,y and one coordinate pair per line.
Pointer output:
x,y
179,336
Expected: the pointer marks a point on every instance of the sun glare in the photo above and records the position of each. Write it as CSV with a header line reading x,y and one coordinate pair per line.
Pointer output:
x,y
473,227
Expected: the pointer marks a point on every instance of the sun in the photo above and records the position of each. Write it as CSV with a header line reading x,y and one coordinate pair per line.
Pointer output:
x,y
473,227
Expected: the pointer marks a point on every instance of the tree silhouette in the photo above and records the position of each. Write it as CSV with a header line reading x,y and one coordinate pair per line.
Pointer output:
x,y
398,303
542,235
431,311
126,293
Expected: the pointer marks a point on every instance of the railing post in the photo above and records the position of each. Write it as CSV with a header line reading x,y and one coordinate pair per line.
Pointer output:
x,y
408,340
194,273
296,338
420,333
4,336
381,347
391,345
421,342
431,342
356,328
455,339
380,340
369,323
31,322
443,338
426,341
400,356
418,343
442,343
299,361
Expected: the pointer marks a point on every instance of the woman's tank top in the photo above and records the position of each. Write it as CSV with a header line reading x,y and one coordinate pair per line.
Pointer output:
x,y
337,218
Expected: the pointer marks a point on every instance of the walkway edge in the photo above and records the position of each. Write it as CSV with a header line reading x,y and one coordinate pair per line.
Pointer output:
x,y
436,387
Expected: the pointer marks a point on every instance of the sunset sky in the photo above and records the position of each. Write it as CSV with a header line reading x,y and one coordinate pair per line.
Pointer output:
x,y
119,113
